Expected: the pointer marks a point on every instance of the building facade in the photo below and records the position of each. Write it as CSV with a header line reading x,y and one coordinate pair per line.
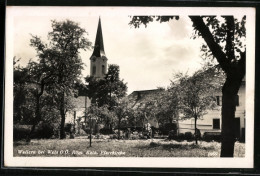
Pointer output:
x,y
211,122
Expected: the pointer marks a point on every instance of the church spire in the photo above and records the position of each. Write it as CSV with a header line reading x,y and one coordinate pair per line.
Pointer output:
x,y
98,59
99,45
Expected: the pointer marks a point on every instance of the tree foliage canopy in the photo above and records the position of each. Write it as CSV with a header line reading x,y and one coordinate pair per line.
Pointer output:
x,y
53,76
106,91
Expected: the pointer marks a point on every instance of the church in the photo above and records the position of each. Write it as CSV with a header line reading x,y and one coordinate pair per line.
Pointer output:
x,y
98,69
98,59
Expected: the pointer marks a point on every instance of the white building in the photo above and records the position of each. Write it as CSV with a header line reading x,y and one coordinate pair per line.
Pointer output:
x,y
211,122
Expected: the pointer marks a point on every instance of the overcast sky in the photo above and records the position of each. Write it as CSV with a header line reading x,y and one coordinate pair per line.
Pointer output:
x,y
147,57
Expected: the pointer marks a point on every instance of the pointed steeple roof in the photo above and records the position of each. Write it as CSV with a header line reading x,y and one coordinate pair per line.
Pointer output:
x,y
99,50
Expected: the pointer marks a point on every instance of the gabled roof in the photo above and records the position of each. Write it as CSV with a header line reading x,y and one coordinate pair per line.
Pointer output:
x,y
99,50
136,98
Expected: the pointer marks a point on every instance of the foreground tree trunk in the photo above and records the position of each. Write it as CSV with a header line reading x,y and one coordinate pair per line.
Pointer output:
x,y
62,113
62,130
90,132
235,71
37,118
229,92
196,135
119,123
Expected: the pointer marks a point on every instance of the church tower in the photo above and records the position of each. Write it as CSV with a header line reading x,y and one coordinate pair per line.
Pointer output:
x,y
98,59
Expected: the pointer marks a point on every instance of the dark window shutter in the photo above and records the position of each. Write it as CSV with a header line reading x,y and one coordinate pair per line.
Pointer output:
x,y
103,69
94,70
218,101
216,124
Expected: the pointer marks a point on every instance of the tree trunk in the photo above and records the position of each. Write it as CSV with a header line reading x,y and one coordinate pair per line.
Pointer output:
x,y
229,92
62,130
178,127
90,132
196,137
74,127
29,137
36,119
62,113
119,130
235,72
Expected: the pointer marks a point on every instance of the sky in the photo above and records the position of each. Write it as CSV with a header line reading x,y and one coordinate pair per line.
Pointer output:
x,y
147,57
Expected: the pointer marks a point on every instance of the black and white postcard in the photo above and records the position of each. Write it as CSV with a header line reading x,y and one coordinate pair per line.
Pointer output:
x,y
129,87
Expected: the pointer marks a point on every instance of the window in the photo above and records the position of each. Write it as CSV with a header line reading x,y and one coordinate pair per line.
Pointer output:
x,y
216,124
94,70
138,95
103,69
219,100
237,100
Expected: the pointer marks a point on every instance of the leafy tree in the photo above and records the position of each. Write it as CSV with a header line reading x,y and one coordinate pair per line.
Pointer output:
x,y
93,115
31,103
121,111
107,117
97,90
61,57
140,113
167,106
196,94
144,111
224,42
117,88
19,91
108,90
37,78
135,117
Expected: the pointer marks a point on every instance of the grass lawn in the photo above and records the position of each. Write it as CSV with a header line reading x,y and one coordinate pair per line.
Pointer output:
x,y
79,147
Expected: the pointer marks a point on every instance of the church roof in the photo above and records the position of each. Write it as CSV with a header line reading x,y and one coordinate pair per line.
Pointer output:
x,y
99,50
143,96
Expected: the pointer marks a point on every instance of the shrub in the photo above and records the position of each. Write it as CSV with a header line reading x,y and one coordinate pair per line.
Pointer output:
x,y
106,131
72,136
198,134
113,136
87,130
212,136
171,135
181,136
188,136
166,128
21,132
68,127
153,144
135,136
43,131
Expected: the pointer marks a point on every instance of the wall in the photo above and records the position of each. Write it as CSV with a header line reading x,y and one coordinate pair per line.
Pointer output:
x,y
205,124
